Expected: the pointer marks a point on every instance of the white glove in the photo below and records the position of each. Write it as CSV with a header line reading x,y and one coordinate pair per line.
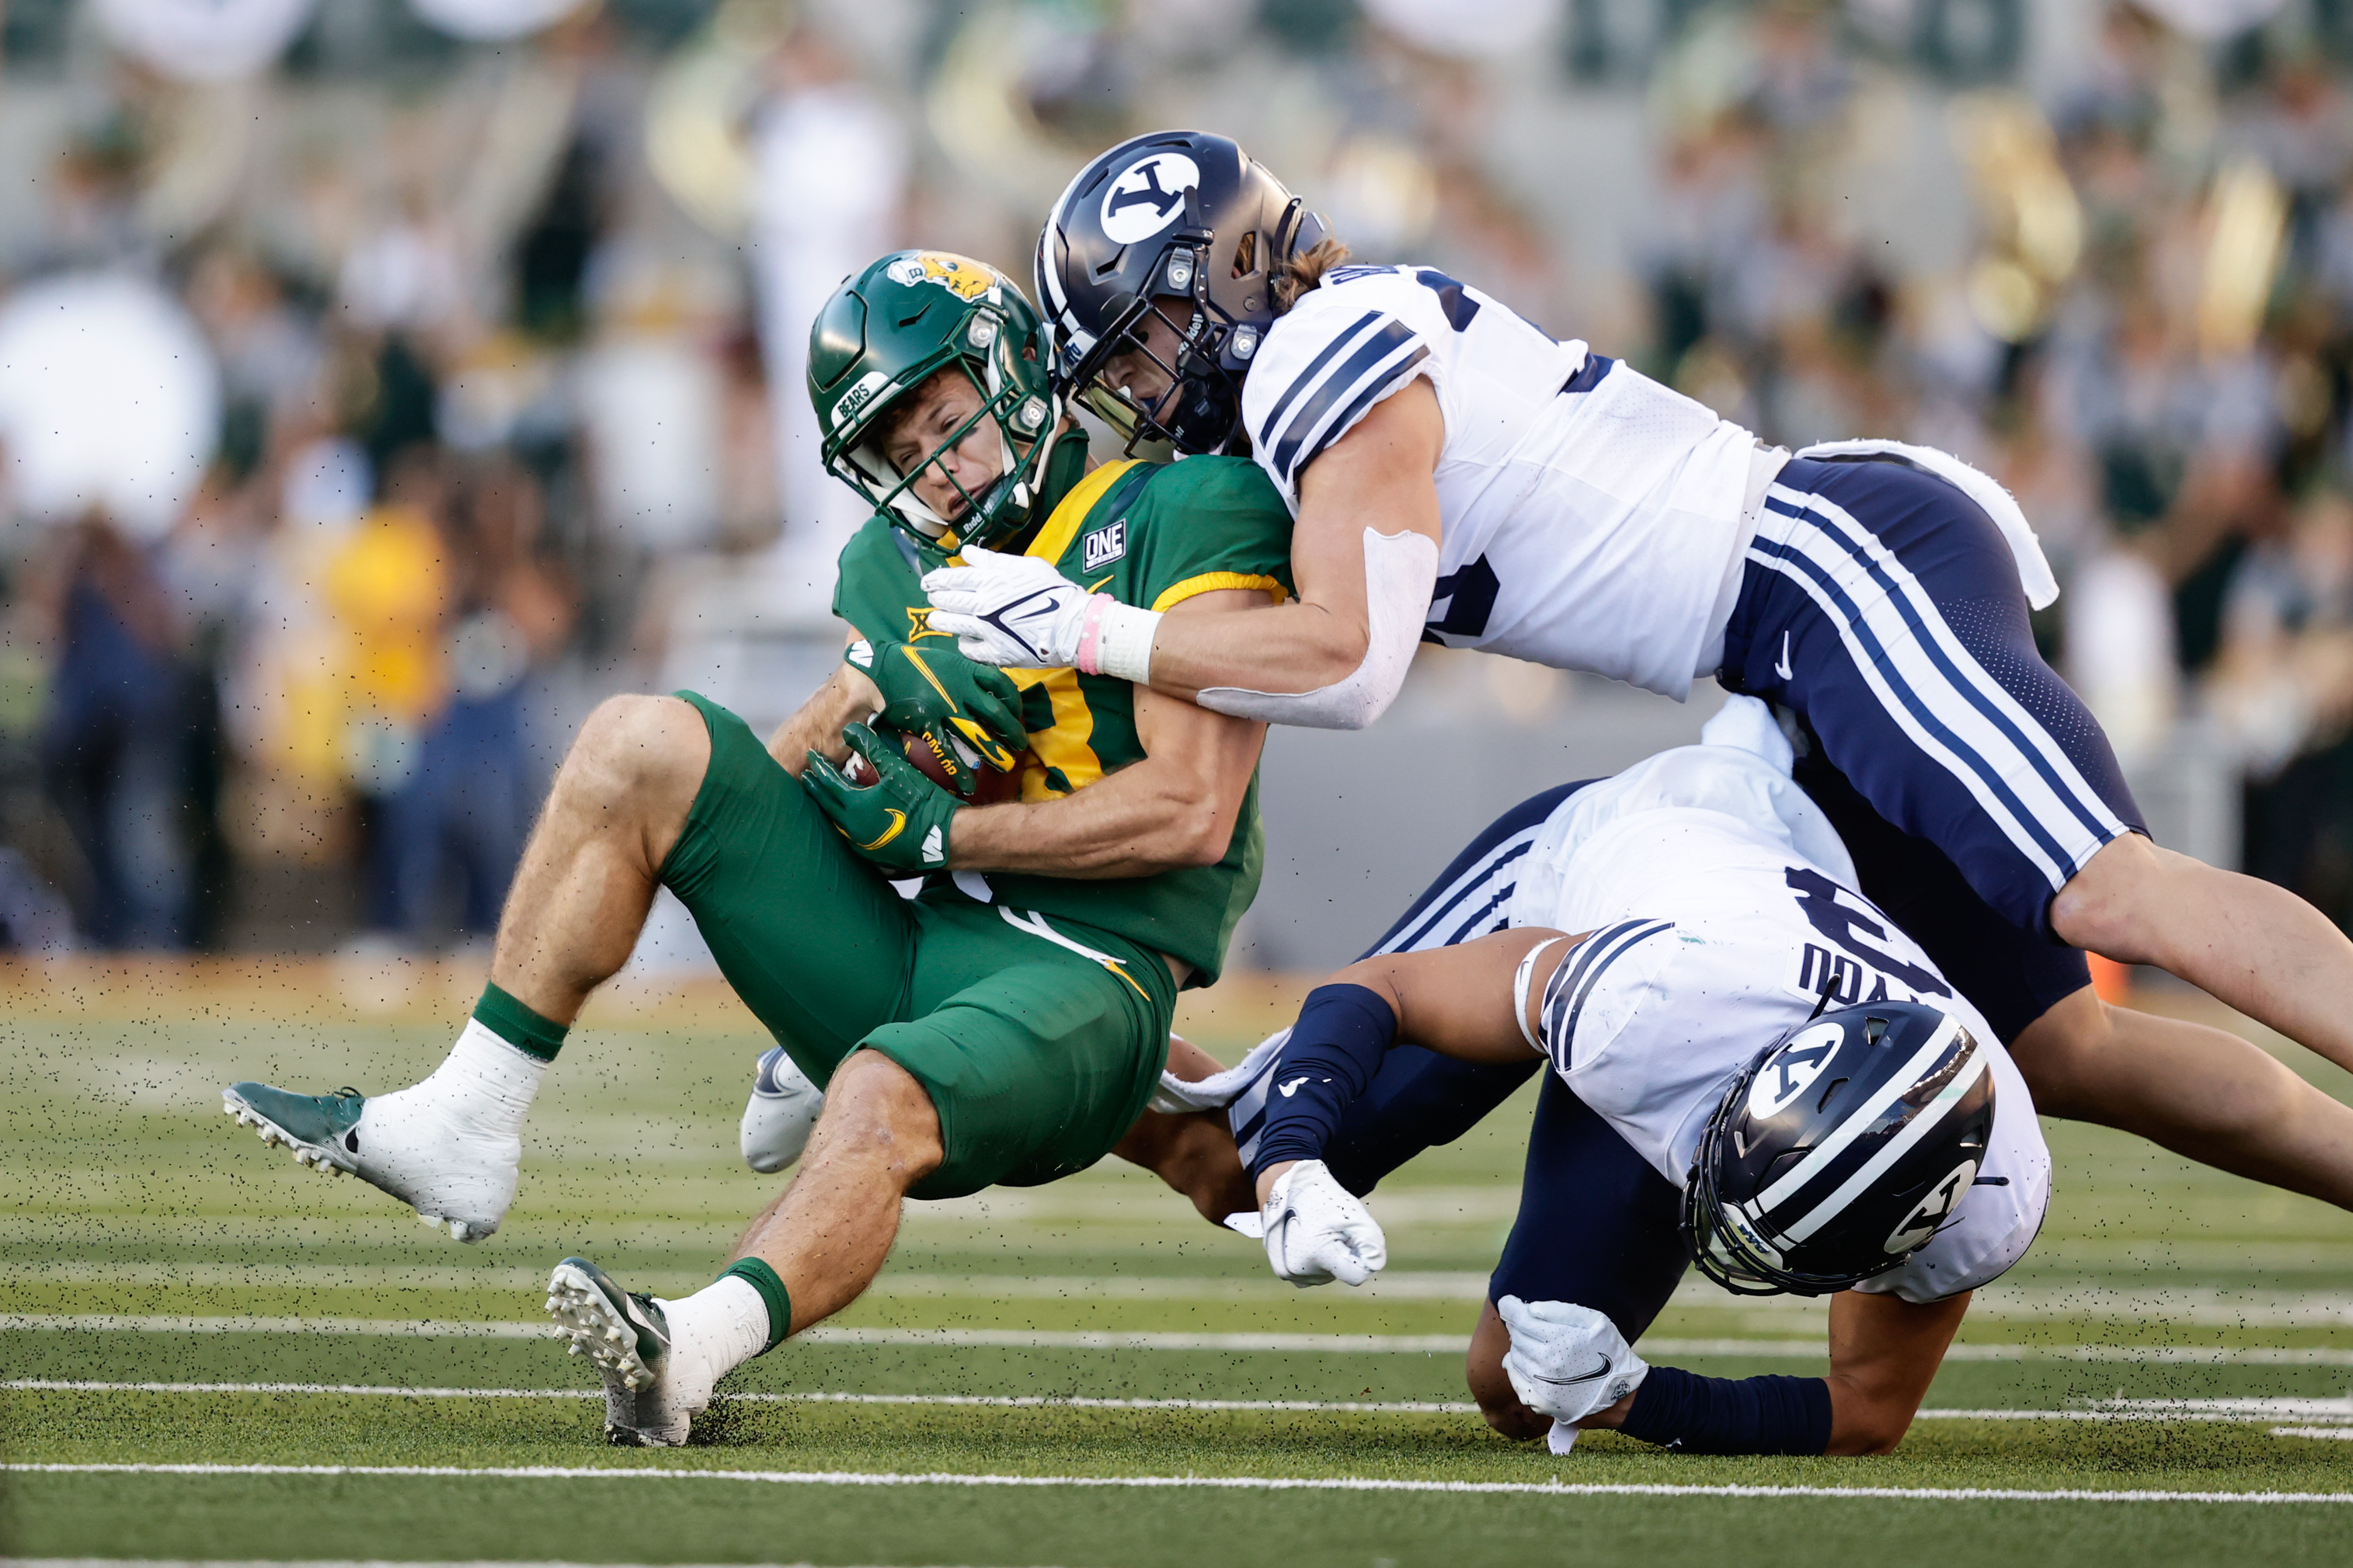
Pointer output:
x,y
1014,610
1318,1231
1567,1360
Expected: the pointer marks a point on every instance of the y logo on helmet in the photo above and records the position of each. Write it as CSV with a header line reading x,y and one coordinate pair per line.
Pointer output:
x,y
960,276
1147,196
1792,1071
1931,1210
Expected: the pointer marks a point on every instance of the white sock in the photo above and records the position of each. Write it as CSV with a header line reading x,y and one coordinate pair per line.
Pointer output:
x,y
713,1331
451,1146
484,1082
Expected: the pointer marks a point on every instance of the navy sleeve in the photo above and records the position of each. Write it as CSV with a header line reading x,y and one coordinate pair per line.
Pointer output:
x,y
1679,1409
1333,1052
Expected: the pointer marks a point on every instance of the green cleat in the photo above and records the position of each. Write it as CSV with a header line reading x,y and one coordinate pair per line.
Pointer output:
x,y
626,1336
320,1129
438,1162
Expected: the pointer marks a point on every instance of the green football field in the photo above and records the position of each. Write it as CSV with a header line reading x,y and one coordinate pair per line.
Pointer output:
x,y
211,1354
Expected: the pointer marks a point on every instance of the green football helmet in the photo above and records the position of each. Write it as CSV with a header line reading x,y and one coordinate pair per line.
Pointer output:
x,y
886,331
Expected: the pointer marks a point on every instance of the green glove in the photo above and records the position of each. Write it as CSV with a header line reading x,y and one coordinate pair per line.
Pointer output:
x,y
938,692
900,822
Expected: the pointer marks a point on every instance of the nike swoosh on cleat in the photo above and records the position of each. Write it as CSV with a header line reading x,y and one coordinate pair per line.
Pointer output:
x,y
1601,1371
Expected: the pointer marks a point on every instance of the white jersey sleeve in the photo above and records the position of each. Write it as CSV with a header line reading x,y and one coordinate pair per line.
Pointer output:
x,y
1367,332
1644,1019
1590,518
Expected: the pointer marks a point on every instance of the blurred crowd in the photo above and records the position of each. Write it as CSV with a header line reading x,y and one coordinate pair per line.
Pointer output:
x,y
383,381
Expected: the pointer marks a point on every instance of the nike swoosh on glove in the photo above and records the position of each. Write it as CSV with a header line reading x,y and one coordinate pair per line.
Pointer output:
x,y
1013,611
1318,1231
901,822
961,707
1567,1360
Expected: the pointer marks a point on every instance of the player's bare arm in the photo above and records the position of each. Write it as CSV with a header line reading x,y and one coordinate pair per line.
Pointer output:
x,y
1378,479
1364,556
1380,476
847,696
1459,1001
1176,808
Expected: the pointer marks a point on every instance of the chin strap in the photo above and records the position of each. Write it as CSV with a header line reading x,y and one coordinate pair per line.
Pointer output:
x,y
1400,573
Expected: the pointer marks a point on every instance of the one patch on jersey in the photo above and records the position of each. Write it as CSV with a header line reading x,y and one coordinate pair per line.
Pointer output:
x,y
1147,196
1104,545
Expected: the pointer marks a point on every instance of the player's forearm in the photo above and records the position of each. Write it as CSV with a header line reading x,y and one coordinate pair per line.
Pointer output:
x,y
817,726
1298,646
1337,1046
1363,558
1885,1352
1138,822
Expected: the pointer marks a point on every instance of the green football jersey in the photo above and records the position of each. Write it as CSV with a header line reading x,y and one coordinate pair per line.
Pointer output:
x,y
1153,534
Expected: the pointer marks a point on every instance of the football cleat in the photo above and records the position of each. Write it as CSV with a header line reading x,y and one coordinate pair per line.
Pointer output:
x,y
402,1143
626,1336
782,1112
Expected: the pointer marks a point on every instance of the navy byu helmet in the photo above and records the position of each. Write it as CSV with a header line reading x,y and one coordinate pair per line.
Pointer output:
x,y
1176,213
1840,1151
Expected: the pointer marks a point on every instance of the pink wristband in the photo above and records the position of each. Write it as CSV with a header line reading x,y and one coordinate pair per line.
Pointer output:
x,y
1090,633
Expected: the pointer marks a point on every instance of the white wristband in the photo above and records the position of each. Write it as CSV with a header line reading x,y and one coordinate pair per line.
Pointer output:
x,y
1124,643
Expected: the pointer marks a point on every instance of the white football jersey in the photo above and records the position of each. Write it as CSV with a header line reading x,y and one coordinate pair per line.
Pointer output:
x,y
1720,916
1591,517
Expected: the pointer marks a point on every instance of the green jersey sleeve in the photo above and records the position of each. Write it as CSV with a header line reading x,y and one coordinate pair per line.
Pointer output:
x,y
1207,523
879,587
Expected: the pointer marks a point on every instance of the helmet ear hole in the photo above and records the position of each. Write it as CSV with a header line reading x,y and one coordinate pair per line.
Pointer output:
x,y
1246,254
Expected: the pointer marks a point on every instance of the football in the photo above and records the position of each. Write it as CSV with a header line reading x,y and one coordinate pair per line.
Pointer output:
x,y
995,788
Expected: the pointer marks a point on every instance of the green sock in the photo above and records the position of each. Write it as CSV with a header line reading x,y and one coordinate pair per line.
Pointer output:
x,y
518,1026
764,1279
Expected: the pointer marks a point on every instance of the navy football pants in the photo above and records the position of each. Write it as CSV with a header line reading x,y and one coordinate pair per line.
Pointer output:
x,y
1882,607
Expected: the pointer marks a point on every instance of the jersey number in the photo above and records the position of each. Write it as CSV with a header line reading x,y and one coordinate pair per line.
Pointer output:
x,y
1460,307
1818,897
1469,595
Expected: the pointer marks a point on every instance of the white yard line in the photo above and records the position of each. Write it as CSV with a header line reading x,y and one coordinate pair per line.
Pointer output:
x,y
1405,1285
339,1562
987,1401
420,1328
1207,1483
1243,1344
2335,1411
